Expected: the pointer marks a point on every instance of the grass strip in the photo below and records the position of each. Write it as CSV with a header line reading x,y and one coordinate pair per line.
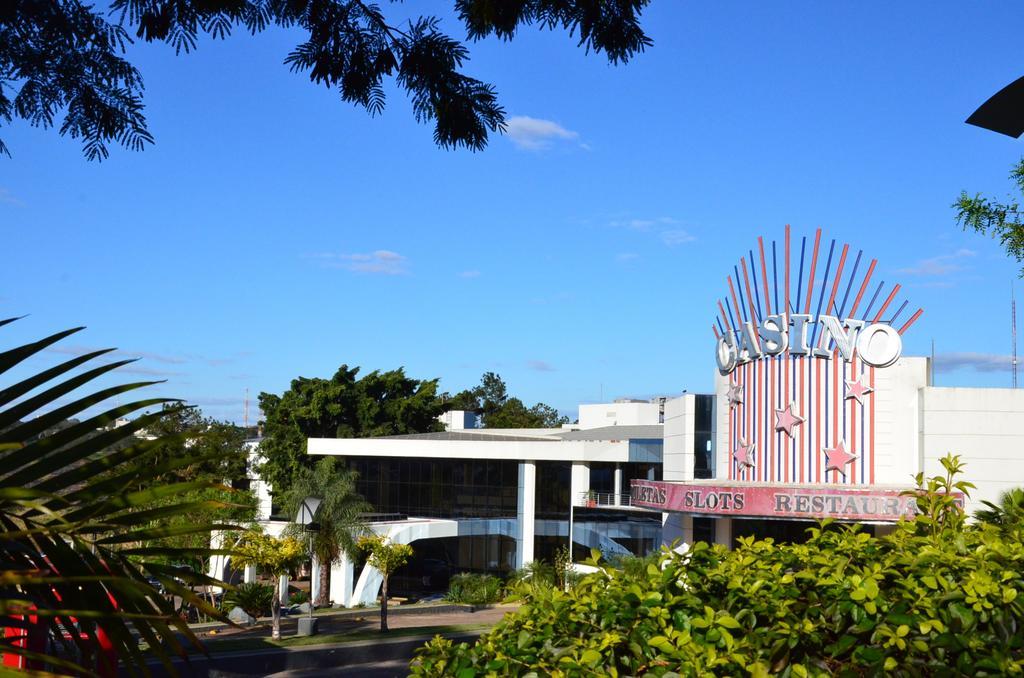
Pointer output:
x,y
240,644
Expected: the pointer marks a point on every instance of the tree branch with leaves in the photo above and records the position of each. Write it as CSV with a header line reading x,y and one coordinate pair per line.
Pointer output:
x,y
62,56
1002,220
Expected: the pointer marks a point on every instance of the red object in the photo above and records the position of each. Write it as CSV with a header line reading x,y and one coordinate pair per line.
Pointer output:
x,y
32,637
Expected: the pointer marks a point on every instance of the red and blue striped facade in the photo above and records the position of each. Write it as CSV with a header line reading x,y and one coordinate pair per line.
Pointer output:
x,y
805,280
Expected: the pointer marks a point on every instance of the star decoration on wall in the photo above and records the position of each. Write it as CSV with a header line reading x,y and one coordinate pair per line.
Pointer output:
x,y
837,458
735,394
857,390
744,454
786,419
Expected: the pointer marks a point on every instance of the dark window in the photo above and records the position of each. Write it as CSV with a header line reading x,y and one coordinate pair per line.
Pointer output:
x,y
703,454
439,488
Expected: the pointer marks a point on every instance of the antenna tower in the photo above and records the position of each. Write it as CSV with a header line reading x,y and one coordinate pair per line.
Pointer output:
x,y
1013,330
246,408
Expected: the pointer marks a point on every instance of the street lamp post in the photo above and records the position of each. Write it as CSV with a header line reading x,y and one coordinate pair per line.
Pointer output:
x,y
307,511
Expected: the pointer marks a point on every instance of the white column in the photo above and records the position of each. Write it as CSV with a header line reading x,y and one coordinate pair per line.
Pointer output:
x,y
676,527
526,512
617,484
342,576
284,589
723,531
249,575
579,482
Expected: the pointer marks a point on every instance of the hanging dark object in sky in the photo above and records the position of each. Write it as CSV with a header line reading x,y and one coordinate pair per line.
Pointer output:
x,y
1003,112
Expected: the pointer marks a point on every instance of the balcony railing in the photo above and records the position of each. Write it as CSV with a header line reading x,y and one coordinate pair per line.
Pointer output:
x,y
602,499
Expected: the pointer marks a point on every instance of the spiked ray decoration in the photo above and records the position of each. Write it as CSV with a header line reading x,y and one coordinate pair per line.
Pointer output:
x,y
84,519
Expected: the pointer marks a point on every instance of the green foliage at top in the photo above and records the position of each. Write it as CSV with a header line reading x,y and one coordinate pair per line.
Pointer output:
x,y
275,555
86,515
474,589
1003,220
490,399
344,406
63,57
937,597
384,555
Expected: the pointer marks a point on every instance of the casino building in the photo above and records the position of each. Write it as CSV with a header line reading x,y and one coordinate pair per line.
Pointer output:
x,y
816,412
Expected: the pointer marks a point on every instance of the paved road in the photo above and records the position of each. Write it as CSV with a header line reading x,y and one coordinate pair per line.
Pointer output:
x,y
397,668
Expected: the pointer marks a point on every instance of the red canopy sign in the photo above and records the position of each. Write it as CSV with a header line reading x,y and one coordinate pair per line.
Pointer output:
x,y
774,501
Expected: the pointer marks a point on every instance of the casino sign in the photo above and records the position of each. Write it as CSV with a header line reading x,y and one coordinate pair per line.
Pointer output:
x,y
800,336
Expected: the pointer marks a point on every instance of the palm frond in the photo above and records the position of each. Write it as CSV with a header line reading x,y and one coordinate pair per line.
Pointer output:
x,y
85,518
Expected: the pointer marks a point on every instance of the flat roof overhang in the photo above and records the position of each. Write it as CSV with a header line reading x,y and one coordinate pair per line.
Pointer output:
x,y
514,450
729,499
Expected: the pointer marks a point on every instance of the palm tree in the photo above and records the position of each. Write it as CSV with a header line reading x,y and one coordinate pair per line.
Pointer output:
x,y
84,522
339,515
1008,512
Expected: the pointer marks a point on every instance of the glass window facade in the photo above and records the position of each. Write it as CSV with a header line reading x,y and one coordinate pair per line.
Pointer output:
x,y
438,488
553,479
703,454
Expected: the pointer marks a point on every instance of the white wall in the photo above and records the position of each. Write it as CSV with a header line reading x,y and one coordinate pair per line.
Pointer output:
x,y
457,420
619,414
677,462
985,426
897,407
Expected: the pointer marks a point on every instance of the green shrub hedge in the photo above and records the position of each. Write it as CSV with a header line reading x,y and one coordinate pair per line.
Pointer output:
x,y
474,589
936,597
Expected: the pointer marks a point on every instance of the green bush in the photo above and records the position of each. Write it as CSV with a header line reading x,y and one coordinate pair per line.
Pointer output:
x,y
254,598
936,597
298,598
474,589
527,582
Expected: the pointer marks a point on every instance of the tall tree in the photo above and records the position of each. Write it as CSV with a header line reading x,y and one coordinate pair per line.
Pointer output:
x,y
338,516
63,57
344,406
1002,220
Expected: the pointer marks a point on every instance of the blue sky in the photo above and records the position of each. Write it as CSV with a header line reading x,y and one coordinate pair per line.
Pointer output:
x,y
275,231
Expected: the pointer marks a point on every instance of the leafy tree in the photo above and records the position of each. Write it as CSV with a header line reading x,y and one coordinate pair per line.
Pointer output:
x,y
937,597
275,555
65,57
85,522
221,444
338,515
498,410
386,557
1003,220
344,406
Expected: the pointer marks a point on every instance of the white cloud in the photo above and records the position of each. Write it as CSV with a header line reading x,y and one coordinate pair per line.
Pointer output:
x,y
642,224
534,134
8,199
469,274
979,362
627,256
383,262
943,264
540,366
677,236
